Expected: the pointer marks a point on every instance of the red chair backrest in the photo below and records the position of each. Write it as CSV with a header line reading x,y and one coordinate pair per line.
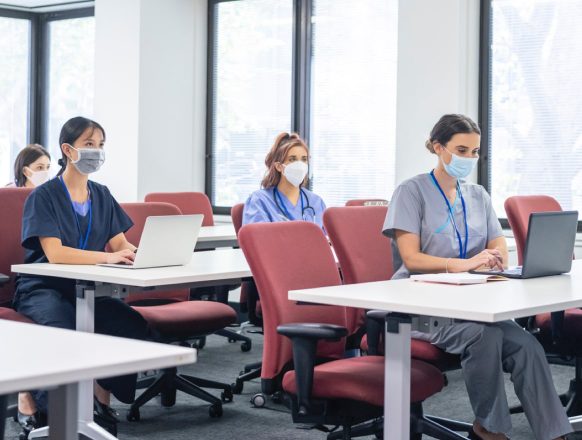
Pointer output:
x,y
11,251
139,212
188,202
363,252
236,213
286,256
518,209
367,202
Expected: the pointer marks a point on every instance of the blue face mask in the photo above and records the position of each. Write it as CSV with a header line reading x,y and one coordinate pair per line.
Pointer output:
x,y
459,167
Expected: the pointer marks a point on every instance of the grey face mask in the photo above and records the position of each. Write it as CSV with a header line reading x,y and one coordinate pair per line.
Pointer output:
x,y
89,160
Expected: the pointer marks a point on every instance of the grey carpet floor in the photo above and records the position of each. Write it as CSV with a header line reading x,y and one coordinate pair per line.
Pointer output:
x,y
221,360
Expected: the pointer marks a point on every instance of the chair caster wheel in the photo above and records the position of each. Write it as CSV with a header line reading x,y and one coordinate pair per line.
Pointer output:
x,y
245,346
277,397
226,396
258,400
133,415
215,410
237,387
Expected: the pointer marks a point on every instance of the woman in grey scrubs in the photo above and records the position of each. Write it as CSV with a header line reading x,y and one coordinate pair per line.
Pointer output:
x,y
441,223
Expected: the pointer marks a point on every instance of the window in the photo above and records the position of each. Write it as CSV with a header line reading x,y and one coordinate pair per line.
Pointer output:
x,y
71,43
14,90
251,94
46,77
533,100
323,68
353,99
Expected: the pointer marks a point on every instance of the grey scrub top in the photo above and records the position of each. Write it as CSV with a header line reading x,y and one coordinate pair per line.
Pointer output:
x,y
417,206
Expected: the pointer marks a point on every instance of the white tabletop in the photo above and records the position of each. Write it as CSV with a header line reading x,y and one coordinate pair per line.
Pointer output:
x,y
223,232
62,357
220,264
489,302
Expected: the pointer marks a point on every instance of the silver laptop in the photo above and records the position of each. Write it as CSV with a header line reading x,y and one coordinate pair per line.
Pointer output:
x,y
166,240
549,246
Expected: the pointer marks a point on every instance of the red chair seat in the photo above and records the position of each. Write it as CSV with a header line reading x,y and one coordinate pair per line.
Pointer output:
x,y
425,351
188,318
12,315
572,323
362,379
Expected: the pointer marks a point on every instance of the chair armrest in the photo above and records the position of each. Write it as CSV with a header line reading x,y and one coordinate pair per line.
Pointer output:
x,y
312,331
304,337
4,279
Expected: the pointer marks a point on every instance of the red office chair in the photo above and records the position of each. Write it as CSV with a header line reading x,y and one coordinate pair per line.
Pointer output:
x,y
324,388
559,333
175,319
11,252
249,300
199,203
367,202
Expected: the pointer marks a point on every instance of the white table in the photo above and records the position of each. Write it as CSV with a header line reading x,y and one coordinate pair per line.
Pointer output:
x,y
218,236
490,302
62,359
205,269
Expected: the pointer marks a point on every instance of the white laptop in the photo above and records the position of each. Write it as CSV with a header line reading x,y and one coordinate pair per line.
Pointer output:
x,y
166,240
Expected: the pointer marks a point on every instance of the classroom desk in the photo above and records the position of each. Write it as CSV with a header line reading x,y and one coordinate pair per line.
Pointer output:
x,y
205,269
490,302
63,358
218,236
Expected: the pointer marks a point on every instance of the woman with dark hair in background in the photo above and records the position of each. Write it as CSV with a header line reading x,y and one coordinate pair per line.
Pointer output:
x,y
71,220
31,167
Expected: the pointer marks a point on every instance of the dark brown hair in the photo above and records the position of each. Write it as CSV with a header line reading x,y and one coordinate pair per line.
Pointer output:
x,y
277,154
448,126
27,156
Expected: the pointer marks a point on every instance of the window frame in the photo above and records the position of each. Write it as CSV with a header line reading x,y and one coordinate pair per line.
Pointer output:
x,y
485,65
300,83
39,63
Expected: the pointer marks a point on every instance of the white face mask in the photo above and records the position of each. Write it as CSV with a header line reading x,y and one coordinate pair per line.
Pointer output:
x,y
295,172
37,178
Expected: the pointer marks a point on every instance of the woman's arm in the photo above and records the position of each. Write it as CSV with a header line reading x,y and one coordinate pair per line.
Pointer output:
x,y
59,254
119,243
416,261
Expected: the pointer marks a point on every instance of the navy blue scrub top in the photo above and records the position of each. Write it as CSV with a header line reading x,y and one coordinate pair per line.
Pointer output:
x,y
48,212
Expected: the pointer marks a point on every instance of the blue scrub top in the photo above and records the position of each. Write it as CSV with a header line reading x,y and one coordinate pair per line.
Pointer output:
x,y
261,207
48,213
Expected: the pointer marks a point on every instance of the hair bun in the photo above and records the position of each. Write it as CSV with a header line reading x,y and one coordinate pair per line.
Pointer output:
x,y
429,146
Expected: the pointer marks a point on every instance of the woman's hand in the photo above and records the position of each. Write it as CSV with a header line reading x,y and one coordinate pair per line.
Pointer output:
x,y
488,259
125,256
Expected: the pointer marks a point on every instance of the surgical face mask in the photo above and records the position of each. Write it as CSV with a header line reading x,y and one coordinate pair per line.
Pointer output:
x,y
38,177
460,167
89,160
295,172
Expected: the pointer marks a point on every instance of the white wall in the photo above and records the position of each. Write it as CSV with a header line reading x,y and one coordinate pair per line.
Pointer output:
x,y
150,90
438,68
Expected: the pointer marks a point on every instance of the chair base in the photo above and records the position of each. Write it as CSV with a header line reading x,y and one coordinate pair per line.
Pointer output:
x,y
169,382
233,336
250,372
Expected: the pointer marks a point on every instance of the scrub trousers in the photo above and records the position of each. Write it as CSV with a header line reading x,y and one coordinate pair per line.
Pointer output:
x,y
488,350
112,317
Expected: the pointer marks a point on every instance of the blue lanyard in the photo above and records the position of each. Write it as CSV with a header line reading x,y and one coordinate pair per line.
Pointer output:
x,y
82,241
281,205
462,249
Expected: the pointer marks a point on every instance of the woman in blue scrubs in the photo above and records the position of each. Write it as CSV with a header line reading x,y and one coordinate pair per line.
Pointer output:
x,y
283,196
70,220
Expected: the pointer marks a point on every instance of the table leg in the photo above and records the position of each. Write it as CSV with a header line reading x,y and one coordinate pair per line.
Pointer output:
x,y
63,412
3,403
397,379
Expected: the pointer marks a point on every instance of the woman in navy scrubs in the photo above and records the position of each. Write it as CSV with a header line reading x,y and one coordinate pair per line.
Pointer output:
x,y
70,220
